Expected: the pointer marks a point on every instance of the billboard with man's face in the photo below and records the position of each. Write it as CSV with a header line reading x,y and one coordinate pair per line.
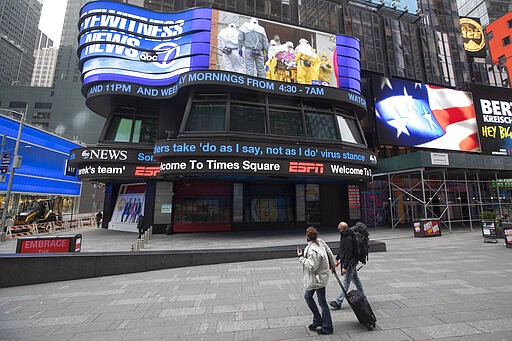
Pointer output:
x,y
124,43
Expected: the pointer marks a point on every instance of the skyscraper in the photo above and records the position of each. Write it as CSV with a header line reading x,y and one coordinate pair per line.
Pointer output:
x,y
70,116
18,37
487,11
44,67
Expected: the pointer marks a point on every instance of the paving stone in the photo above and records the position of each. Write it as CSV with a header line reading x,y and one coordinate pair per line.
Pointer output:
x,y
242,325
494,325
440,331
449,288
237,307
182,311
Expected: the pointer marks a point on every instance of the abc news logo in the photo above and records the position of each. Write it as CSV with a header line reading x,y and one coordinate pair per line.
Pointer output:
x,y
149,56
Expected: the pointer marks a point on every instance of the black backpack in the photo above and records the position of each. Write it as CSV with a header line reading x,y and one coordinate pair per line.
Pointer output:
x,y
360,240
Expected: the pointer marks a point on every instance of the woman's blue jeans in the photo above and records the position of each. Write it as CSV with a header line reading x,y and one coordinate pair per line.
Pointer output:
x,y
324,319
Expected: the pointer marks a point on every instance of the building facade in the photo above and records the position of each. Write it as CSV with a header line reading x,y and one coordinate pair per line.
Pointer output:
x,y
499,33
18,38
44,67
211,145
194,141
486,11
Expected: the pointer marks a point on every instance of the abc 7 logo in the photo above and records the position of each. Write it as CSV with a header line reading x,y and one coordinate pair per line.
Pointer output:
x,y
148,57
86,154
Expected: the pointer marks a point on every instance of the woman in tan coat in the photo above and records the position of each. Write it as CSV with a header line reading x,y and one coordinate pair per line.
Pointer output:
x,y
316,266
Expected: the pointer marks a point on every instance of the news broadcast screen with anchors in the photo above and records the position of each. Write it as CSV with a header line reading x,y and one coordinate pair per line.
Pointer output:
x,y
125,43
493,107
424,116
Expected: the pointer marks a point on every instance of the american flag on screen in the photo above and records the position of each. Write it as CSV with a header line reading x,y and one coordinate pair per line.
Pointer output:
x,y
420,115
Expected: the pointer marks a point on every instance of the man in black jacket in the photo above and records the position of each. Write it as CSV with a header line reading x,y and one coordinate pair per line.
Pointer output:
x,y
348,264
140,225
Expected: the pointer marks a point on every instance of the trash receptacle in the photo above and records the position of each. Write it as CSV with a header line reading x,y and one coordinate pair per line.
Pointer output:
x,y
50,244
168,229
489,231
507,232
427,228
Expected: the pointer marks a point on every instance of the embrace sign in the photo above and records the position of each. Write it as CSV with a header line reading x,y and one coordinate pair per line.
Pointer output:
x,y
121,44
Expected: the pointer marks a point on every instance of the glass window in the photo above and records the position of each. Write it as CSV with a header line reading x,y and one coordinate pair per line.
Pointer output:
x,y
249,97
196,210
349,130
248,119
145,131
318,106
123,129
506,41
285,122
284,101
14,104
42,105
207,117
320,126
267,203
119,130
136,131
163,203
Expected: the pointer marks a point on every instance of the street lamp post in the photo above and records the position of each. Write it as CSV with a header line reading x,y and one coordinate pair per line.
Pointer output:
x,y
15,164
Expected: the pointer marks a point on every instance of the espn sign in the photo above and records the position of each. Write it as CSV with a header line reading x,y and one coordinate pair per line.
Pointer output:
x,y
147,170
306,167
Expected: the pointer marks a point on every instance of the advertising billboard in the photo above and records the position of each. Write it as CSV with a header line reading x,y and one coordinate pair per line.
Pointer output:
x,y
424,116
129,207
473,36
43,169
493,106
124,43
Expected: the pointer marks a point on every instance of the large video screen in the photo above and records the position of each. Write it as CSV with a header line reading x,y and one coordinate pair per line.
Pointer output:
x,y
44,157
119,42
424,116
493,106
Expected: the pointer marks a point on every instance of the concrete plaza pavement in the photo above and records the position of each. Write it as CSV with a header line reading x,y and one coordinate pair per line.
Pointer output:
x,y
453,287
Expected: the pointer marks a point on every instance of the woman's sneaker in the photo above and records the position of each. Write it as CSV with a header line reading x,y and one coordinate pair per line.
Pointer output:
x,y
335,305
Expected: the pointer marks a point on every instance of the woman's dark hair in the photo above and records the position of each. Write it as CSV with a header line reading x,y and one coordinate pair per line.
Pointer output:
x,y
312,234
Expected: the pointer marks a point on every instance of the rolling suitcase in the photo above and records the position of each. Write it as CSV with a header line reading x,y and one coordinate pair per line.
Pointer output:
x,y
359,305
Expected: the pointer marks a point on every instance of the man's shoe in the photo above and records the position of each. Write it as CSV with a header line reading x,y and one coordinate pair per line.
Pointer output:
x,y
323,332
313,326
335,305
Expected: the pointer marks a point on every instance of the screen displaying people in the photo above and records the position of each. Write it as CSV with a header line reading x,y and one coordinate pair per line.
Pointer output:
x,y
274,51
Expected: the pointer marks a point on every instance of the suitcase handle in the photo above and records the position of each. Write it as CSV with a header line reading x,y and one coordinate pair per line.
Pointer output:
x,y
341,285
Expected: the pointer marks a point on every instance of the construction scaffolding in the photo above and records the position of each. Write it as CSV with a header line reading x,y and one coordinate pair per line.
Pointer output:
x,y
455,197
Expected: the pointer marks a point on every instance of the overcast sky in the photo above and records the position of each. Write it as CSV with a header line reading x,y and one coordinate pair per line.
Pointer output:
x,y
52,18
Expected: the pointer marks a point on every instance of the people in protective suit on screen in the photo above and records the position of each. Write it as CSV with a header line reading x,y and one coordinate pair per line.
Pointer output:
x,y
253,41
270,64
286,68
275,46
325,70
228,47
307,62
